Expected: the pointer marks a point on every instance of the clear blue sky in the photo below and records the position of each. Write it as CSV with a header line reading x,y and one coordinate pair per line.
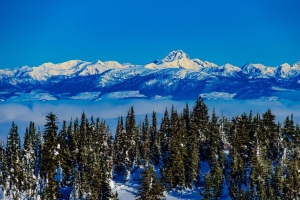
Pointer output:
x,y
136,31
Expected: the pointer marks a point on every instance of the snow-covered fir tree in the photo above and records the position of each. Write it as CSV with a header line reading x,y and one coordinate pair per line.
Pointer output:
x,y
150,187
245,157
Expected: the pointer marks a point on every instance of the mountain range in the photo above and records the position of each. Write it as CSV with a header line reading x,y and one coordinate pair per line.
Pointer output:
x,y
176,77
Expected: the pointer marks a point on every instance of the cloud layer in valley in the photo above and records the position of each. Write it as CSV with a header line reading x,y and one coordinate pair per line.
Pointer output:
x,y
24,112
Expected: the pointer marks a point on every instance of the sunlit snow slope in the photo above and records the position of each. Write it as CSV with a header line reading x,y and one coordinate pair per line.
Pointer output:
x,y
176,76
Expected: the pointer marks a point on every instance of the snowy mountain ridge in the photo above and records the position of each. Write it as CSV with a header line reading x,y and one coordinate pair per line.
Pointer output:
x,y
176,76
175,59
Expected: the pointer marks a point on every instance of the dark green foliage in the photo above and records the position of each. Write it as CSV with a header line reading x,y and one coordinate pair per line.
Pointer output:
x,y
199,125
155,148
215,158
38,153
250,155
100,188
164,135
145,142
14,160
270,135
119,148
30,160
191,160
277,181
174,168
64,154
214,184
292,181
132,138
239,155
3,165
150,187
49,157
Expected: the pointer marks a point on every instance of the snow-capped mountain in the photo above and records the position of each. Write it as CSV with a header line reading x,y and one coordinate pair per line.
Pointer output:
x,y
287,71
258,71
176,76
179,59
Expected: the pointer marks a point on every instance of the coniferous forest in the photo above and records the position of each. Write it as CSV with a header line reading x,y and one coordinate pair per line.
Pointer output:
x,y
251,156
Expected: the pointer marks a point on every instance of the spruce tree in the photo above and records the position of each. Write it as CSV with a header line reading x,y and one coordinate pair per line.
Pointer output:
x,y
236,176
175,165
150,187
3,166
164,135
260,173
119,148
49,157
15,162
292,182
75,184
131,132
64,156
72,143
145,142
199,124
278,181
271,135
138,147
96,178
83,156
192,159
197,140
155,149
100,187
38,153
59,177
30,183
208,190
105,192
38,164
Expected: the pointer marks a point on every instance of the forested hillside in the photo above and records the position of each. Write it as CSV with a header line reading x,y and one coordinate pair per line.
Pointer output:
x,y
250,156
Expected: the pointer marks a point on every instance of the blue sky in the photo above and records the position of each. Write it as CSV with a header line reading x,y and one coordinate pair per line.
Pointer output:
x,y
236,32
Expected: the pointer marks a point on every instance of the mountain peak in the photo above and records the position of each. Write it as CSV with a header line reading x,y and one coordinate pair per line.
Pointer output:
x,y
175,55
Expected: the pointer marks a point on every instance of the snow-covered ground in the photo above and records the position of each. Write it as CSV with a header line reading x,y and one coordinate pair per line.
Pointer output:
x,y
218,95
32,96
86,96
109,109
122,95
128,190
176,75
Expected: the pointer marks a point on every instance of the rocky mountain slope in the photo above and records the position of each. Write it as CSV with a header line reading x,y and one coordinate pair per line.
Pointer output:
x,y
176,76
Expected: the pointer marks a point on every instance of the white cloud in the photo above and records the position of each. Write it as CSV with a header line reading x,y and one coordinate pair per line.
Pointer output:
x,y
24,112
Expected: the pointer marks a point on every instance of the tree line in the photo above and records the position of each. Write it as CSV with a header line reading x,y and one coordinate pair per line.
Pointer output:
x,y
250,156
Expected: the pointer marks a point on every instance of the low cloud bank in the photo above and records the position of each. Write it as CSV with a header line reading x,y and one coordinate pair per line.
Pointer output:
x,y
24,112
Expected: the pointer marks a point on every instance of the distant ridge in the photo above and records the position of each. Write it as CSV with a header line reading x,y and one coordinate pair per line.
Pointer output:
x,y
176,76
